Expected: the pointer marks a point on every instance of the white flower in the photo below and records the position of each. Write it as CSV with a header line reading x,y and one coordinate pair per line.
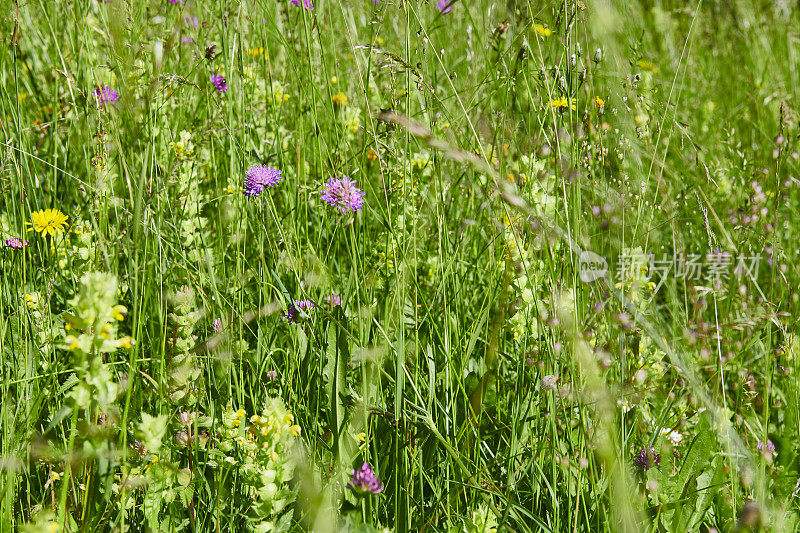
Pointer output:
x,y
675,437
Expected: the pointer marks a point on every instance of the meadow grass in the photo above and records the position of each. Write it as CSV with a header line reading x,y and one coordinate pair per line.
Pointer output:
x,y
566,304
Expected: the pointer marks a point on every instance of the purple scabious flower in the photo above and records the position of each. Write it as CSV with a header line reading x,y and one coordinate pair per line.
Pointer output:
x,y
343,195
647,458
175,2
16,243
219,82
306,4
106,95
292,312
365,481
445,5
259,176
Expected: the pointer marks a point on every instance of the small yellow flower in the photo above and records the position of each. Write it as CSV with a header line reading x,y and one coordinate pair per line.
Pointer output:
x,y
372,155
255,419
599,101
126,342
228,189
71,341
339,99
155,460
294,430
361,437
563,103
647,65
542,30
50,221
119,312
240,413
334,80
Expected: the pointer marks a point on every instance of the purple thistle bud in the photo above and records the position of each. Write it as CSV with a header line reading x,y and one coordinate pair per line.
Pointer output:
x,y
306,4
647,458
259,176
291,313
342,194
365,481
16,243
445,5
106,95
219,82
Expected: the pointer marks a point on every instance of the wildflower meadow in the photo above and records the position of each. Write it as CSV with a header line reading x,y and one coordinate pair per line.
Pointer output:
x,y
371,266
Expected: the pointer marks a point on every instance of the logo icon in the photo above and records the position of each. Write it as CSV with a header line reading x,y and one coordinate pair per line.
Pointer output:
x,y
592,266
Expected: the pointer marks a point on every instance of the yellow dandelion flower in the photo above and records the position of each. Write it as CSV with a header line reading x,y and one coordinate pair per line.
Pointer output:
x,y
50,221
339,99
542,30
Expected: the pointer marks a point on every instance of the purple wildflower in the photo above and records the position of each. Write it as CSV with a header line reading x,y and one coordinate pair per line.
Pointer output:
x,y
445,5
187,40
343,195
16,243
364,480
219,82
765,448
333,300
306,4
106,95
259,176
217,325
175,2
298,305
192,21
647,458
271,375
